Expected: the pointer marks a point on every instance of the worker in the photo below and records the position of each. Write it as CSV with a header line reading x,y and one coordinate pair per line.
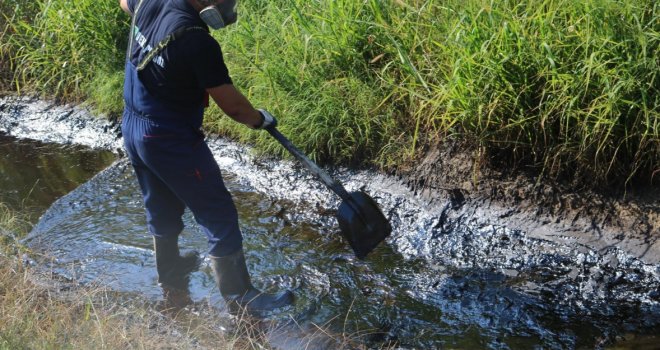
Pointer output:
x,y
173,65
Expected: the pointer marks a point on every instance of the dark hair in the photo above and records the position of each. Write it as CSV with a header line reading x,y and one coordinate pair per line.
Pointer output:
x,y
207,2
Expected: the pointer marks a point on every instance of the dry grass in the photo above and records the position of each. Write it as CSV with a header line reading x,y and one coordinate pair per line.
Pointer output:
x,y
39,312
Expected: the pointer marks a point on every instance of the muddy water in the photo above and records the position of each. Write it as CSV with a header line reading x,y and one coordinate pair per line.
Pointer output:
x,y
34,174
97,233
451,276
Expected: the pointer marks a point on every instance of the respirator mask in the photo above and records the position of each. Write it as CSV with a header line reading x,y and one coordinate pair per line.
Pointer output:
x,y
220,15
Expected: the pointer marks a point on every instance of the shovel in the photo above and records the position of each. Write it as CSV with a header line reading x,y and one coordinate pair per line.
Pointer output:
x,y
361,222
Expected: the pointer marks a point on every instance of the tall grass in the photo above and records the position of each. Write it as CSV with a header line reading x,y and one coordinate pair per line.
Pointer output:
x,y
307,66
567,88
68,43
571,86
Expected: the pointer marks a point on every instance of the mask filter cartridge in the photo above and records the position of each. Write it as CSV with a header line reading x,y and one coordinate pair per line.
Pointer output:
x,y
219,16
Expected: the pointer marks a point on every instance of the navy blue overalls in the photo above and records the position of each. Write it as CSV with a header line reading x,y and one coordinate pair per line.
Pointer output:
x,y
173,164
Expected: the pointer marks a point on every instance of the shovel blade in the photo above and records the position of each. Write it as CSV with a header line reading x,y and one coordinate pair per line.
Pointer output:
x,y
362,223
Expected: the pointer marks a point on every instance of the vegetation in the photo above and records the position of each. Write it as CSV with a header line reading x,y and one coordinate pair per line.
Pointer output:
x,y
11,224
37,317
62,46
567,88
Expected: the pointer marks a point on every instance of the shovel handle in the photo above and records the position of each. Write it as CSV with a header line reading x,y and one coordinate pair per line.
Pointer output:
x,y
331,183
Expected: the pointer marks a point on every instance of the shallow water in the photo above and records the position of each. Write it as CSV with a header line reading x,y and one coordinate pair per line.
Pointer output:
x,y
97,233
33,174
450,276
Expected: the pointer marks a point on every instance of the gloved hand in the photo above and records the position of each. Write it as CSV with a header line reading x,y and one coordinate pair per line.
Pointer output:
x,y
267,121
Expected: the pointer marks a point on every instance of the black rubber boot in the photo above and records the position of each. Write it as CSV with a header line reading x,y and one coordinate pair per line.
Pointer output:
x,y
173,269
233,279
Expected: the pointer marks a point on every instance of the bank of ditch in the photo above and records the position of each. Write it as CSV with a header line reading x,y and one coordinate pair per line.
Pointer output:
x,y
542,107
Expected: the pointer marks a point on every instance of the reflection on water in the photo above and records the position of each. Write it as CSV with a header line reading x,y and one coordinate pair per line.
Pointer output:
x,y
34,174
98,233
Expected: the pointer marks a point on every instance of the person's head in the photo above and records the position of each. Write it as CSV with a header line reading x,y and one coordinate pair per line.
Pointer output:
x,y
217,13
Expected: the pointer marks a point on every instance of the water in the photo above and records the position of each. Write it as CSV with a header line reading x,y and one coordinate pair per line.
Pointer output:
x,y
441,281
34,174
97,233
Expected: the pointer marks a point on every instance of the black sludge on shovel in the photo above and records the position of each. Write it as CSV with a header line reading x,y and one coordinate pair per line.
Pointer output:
x,y
362,223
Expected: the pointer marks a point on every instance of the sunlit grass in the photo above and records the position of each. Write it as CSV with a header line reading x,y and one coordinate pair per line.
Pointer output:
x,y
567,88
13,226
58,51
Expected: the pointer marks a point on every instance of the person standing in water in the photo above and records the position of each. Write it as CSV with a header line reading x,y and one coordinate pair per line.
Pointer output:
x,y
173,66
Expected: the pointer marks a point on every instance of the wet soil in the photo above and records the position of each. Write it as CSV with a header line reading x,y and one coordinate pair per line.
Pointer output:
x,y
561,212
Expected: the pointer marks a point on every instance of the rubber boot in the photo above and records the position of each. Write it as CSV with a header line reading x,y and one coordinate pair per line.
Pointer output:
x,y
173,269
233,279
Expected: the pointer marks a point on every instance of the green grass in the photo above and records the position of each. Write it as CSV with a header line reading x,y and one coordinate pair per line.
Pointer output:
x,y
61,49
13,226
568,89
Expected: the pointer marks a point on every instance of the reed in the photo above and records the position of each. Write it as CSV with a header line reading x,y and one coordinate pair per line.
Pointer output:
x,y
568,89
67,43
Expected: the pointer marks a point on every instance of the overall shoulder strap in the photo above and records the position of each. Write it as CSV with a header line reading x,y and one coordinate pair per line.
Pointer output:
x,y
132,33
166,41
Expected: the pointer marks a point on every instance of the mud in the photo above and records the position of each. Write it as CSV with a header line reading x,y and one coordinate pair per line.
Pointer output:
x,y
476,259
564,213
32,118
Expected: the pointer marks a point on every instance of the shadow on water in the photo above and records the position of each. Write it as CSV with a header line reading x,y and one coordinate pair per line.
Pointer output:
x,y
97,233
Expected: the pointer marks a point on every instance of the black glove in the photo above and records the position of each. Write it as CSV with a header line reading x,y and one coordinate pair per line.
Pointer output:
x,y
267,120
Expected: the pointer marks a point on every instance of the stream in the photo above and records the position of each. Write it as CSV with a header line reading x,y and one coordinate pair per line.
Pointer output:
x,y
460,282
